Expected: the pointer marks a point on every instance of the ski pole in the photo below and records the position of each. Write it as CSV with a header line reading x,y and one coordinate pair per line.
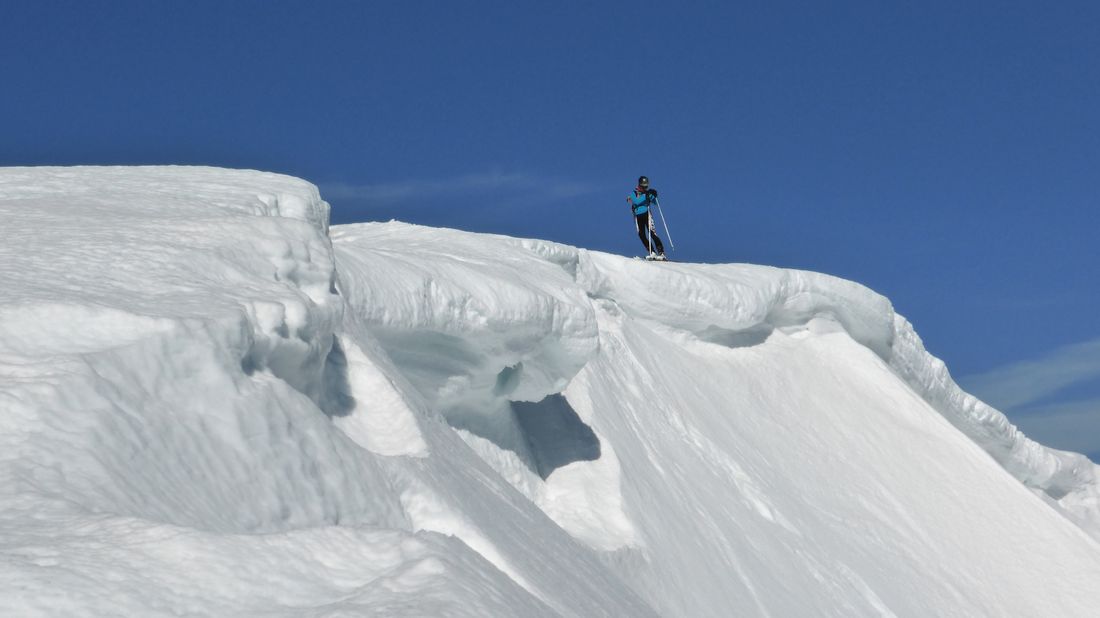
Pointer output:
x,y
662,213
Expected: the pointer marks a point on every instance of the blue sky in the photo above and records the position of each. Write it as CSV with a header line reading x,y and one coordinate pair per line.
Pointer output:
x,y
942,153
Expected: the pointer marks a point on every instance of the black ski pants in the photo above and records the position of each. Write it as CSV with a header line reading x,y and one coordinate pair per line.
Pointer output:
x,y
642,221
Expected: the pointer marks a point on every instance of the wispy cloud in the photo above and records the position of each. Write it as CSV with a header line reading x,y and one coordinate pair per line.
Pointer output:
x,y
1029,391
489,184
1014,386
1071,427
1026,303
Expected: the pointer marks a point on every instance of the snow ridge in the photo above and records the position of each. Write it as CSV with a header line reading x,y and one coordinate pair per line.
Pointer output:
x,y
145,362
1070,480
214,404
179,376
742,304
484,313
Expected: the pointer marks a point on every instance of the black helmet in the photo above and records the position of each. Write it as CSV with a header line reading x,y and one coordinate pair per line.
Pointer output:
x,y
643,181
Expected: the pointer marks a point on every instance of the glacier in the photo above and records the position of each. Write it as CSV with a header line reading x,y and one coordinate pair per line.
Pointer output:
x,y
213,403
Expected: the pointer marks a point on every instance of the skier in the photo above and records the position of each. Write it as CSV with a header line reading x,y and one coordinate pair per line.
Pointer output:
x,y
639,202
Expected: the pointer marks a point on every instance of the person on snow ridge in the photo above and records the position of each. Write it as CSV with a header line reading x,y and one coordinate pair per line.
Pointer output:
x,y
639,202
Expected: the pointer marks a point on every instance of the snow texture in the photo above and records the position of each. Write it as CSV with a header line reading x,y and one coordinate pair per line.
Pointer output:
x,y
212,404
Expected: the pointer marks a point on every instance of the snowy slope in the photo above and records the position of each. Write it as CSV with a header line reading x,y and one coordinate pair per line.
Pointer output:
x,y
173,390
207,406
743,439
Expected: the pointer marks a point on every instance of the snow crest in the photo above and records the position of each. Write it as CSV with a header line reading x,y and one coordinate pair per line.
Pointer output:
x,y
466,315
1070,480
187,402
167,342
490,338
214,404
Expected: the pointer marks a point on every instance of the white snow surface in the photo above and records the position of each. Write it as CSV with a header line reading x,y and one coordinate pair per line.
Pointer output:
x,y
211,404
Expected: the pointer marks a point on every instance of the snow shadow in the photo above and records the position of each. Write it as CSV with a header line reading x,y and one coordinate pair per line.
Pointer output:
x,y
555,434
336,400
429,359
746,338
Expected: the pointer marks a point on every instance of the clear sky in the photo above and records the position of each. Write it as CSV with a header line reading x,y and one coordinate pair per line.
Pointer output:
x,y
946,154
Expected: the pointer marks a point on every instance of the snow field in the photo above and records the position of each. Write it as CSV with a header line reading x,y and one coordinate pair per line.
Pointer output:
x,y
179,379
800,477
134,415
209,407
1068,481
749,435
107,565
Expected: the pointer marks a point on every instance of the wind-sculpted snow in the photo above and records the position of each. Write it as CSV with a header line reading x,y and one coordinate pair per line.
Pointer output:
x,y
733,306
162,331
489,337
1070,480
739,304
112,566
208,407
743,304
738,432
190,425
514,325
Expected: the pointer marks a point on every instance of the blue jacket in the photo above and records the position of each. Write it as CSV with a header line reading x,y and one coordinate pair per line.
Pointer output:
x,y
640,203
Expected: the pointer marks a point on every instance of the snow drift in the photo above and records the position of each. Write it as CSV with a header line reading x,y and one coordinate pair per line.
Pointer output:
x,y
212,405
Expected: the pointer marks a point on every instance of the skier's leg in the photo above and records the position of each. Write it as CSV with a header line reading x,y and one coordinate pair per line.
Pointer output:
x,y
648,235
642,221
657,243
